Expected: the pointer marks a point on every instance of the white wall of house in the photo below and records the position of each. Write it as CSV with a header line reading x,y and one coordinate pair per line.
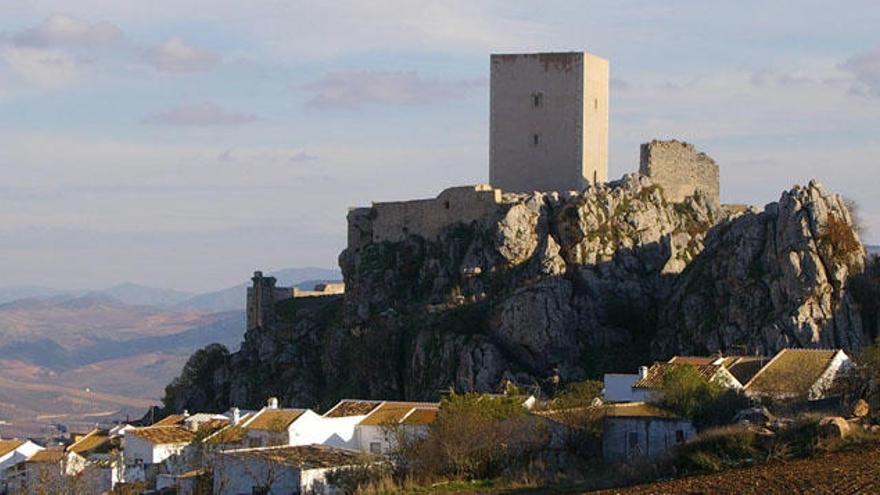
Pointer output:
x,y
839,364
137,449
618,387
14,458
375,439
234,476
335,432
628,438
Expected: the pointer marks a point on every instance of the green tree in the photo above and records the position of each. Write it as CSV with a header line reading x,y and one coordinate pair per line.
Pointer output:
x,y
686,393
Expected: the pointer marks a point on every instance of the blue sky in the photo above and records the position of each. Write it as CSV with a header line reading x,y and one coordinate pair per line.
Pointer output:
x,y
186,143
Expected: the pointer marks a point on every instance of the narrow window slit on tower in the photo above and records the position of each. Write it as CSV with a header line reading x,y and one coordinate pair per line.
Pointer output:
x,y
536,139
538,99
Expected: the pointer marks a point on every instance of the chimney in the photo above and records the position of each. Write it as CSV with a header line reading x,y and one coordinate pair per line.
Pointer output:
x,y
236,415
272,403
186,413
643,372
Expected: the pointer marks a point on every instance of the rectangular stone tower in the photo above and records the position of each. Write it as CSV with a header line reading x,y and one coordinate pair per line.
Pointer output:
x,y
548,122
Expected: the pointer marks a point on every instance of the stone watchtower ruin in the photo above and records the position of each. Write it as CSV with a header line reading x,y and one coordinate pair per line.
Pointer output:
x,y
548,122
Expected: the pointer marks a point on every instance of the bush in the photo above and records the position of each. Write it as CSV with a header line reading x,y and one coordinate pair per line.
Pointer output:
x,y
474,436
686,393
719,449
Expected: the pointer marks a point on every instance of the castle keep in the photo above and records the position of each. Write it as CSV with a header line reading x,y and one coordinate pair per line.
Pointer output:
x,y
548,121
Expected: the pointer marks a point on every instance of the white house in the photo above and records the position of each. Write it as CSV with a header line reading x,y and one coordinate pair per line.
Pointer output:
x,y
281,470
14,453
639,430
376,432
649,381
146,448
806,374
51,465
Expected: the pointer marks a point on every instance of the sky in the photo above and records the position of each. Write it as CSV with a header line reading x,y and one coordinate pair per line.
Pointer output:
x,y
184,144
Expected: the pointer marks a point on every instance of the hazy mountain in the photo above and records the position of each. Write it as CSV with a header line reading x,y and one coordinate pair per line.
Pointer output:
x,y
78,357
142,295
873,249
233,298
13,292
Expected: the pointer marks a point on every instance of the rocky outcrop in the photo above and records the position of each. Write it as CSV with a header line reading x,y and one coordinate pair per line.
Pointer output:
x,y
769,280
557,287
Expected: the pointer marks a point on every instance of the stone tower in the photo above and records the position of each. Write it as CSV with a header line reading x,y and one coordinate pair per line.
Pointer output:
x,y
261,299
548,122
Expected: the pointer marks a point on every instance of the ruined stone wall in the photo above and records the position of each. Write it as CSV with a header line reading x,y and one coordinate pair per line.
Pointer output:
x,y
394,222
261,299
326,289
680,170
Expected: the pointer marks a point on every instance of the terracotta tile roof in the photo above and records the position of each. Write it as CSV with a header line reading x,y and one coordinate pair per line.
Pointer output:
x,y
94,441
171,420
656,373
46,456
158,435
211,426
275,420
227,435
791,372
420,416
7,446
349,407
744,368
637,410
393,412
303,456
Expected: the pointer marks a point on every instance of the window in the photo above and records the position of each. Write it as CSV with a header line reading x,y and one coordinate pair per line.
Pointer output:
x,y
446,204
633,439
538,99
536,140
375,448
679,436
595,103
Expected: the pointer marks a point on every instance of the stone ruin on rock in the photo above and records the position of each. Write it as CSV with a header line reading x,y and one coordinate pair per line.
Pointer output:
x,y
263,294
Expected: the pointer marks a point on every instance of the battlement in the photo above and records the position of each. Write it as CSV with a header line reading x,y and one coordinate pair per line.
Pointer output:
x,y
680,170
395,221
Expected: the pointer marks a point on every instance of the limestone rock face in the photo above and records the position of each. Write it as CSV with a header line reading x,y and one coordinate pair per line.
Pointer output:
x,y
769,280
560,287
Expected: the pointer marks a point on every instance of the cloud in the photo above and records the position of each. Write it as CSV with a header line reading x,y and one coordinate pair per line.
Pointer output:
x,y
46,68
354,90
202,114
175,55
866,69
65,30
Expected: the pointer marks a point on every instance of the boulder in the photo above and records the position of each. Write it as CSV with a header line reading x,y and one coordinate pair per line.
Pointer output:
x,y
834,427
861,409
758,415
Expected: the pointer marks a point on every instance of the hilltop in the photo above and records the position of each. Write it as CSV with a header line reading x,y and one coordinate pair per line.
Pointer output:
x,y
547,288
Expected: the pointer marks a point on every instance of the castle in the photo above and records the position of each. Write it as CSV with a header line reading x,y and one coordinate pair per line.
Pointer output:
x,y
548,132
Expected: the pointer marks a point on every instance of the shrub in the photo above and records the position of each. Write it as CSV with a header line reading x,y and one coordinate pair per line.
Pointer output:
x,y
474,436
719,449
689,395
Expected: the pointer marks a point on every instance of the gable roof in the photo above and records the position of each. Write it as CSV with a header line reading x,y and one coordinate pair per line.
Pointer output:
x,y
47,456
229,434
274,420
390,412
637,410
656,373
93,441
352,407
744,368
791,372
420,416
159,435
171,420
7,446
302,456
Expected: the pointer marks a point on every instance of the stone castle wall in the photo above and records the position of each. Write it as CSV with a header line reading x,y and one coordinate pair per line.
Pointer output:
x,y
394,222
680,170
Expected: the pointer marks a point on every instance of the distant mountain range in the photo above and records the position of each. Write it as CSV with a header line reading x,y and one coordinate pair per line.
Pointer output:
x,y
873,249
74,356
228,299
